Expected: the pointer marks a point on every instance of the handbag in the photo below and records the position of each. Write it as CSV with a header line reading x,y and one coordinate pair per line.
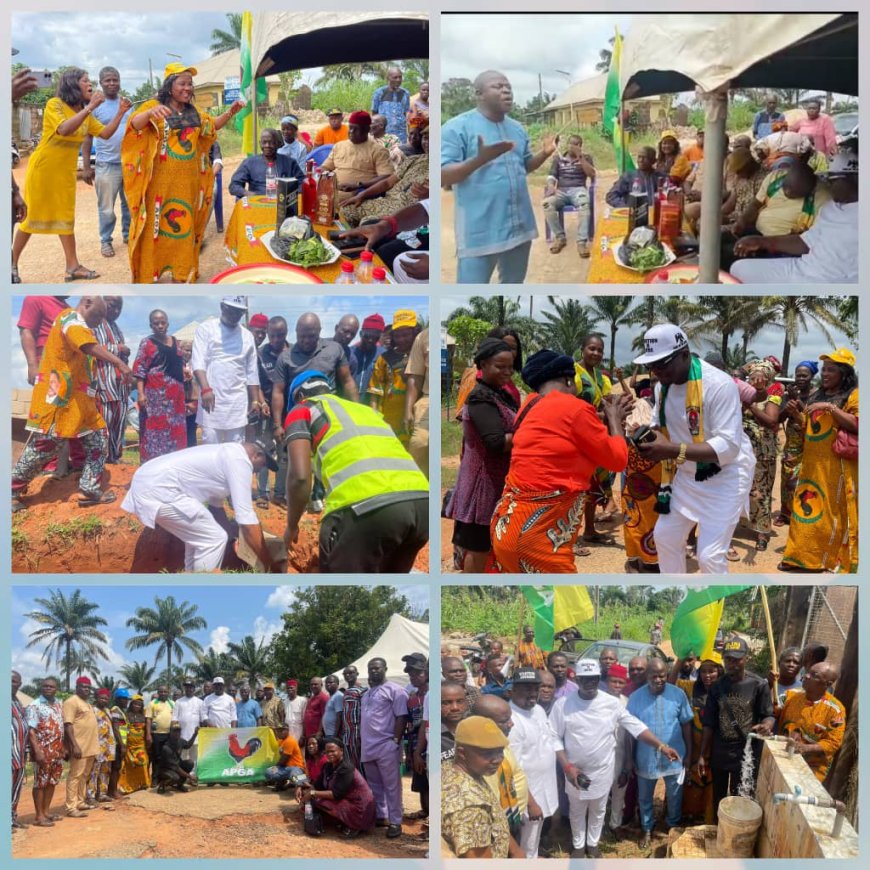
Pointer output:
x,y
845,444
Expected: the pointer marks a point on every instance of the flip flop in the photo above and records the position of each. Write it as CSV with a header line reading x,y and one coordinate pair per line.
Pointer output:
x,y
106,497
262,503
45,823
578,550
598,538
782,520
54,817
80,273
732,555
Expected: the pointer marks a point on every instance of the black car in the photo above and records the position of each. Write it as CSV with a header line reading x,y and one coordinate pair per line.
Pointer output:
x,y
582,648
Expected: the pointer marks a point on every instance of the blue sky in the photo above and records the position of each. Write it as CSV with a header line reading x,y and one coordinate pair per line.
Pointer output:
x,y
231,612
768,341
183,309
125,40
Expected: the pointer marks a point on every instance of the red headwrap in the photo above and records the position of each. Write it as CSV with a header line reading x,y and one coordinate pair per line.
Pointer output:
x,y
374,321
418,121
777,365
103,693
362,118
617,670
83,681
258,321
292,682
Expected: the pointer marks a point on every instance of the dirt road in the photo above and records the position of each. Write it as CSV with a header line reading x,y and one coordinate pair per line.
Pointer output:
x,y
566,267
54,535
232,822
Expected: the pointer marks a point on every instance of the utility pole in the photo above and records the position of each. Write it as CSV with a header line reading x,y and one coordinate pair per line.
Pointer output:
x,y
150,75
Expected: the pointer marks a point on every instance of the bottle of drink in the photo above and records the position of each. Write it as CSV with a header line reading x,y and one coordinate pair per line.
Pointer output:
x,y
636,186
364,268
346,276
309,811
661,194
379,275
271,181
309,193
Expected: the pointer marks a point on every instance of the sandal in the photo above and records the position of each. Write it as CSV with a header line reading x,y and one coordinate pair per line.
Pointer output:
x,y
732,555
80,273
262,503
598,538
107,250
761,545
16,278
350,833
782,520
420,814
579,550
106,497
53,817
45,823
558,245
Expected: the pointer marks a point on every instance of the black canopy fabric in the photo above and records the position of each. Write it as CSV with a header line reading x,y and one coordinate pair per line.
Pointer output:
x,y
826,60
379,39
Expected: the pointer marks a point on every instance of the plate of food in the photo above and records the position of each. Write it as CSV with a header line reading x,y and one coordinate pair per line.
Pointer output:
x,y
265,273
307,253
683,273
642,251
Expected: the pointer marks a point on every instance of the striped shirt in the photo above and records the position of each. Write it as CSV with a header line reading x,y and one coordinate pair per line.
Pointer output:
x,y
19,735
108,384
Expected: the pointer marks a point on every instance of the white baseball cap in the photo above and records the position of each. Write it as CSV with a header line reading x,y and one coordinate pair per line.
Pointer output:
x,y
218,681
844,162
587,668
235,302
661,341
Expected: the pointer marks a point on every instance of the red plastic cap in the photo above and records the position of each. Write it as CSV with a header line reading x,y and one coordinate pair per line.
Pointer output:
x,y
368,256
378,273
347,266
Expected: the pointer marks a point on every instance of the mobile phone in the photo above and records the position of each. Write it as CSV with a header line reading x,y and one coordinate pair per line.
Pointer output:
x,y
43,77
643,435
346,245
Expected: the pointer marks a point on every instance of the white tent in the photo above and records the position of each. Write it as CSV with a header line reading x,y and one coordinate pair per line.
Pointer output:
x,y
187,332
400,638
717,52
282,41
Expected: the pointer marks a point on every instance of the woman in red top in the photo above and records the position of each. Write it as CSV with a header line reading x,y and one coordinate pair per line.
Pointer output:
x,y
558,442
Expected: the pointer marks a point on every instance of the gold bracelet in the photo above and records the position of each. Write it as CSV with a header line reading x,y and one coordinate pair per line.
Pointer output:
x,y
681,456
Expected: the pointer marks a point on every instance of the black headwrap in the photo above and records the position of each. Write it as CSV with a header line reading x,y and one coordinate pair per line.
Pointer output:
x,y
547,365
489,347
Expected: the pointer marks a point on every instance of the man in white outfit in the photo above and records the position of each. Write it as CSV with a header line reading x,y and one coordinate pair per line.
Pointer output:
x,y
534,745
707,459
585,726
224,362
172,492
188,712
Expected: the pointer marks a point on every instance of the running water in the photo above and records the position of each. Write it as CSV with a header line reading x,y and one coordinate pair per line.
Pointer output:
x,y
746,788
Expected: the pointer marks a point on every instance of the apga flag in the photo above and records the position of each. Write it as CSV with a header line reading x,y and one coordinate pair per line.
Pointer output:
x,y
697,619
235,754
250,88
611,118
557,608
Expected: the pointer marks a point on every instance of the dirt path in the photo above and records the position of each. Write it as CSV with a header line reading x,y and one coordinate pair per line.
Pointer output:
x,y
565,267
54,535
233,822
42,261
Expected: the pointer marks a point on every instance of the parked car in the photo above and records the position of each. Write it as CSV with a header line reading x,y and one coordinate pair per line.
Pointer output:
x,y
626,650
93,157
846,125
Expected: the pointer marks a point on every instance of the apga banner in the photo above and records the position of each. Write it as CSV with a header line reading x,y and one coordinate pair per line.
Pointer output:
x,y
557,608
235,754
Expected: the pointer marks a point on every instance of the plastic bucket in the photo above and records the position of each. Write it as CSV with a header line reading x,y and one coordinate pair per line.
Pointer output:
x,y
739,823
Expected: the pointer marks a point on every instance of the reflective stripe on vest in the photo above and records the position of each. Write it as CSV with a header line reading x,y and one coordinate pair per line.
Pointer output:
x,y
360,458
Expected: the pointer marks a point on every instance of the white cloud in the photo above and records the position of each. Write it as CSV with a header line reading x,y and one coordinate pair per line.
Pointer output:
x,y
220,638
265,630
281,597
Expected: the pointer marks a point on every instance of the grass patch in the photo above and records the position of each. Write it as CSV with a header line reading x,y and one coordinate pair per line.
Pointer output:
x,y
19,539
77,529
130,457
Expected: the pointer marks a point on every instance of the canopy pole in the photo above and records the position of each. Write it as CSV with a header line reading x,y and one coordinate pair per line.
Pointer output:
x,y
716,114
773,657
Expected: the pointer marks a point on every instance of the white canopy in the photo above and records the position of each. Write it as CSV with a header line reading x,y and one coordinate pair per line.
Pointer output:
x,y
400,638
284,41
187,332
673,53
216,69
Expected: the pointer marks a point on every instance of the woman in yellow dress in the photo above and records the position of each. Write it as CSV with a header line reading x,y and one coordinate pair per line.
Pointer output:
x,y
168,180
50,182
134,769
823,533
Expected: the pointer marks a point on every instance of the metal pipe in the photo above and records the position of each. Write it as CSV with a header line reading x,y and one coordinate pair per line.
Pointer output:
x,y
814,801
715,136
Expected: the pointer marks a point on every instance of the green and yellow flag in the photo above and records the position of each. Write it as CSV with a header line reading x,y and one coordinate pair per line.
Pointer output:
x,y
250,87
557,608
697,619
611,118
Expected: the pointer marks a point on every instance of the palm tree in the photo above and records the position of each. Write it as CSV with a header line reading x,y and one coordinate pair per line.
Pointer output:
x,y
222,40
69,623
795,314
211,664
497,310
175,677
721,317
139,676
615,311
659,309
567,325
847,309
83,662
168,626
251,660
352,72
107,682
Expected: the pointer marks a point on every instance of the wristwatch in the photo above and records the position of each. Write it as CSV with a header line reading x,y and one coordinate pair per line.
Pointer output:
x,y
681,456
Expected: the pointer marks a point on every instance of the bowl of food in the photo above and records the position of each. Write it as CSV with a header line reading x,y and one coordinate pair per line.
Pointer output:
x,y
642,251
265,273
308,253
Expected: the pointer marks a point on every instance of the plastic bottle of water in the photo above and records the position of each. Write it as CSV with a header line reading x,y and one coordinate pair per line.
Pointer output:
x,y
364,268
346,276
379,275
271,181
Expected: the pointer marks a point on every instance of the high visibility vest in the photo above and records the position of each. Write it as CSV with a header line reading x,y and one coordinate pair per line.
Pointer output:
x,y
360,459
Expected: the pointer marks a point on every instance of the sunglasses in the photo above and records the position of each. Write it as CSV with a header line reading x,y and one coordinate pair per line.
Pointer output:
x,y
664,363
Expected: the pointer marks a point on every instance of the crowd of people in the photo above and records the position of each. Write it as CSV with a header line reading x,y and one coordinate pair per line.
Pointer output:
x,y
533,742
341,747
789,208
159,158
307,411
689,448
